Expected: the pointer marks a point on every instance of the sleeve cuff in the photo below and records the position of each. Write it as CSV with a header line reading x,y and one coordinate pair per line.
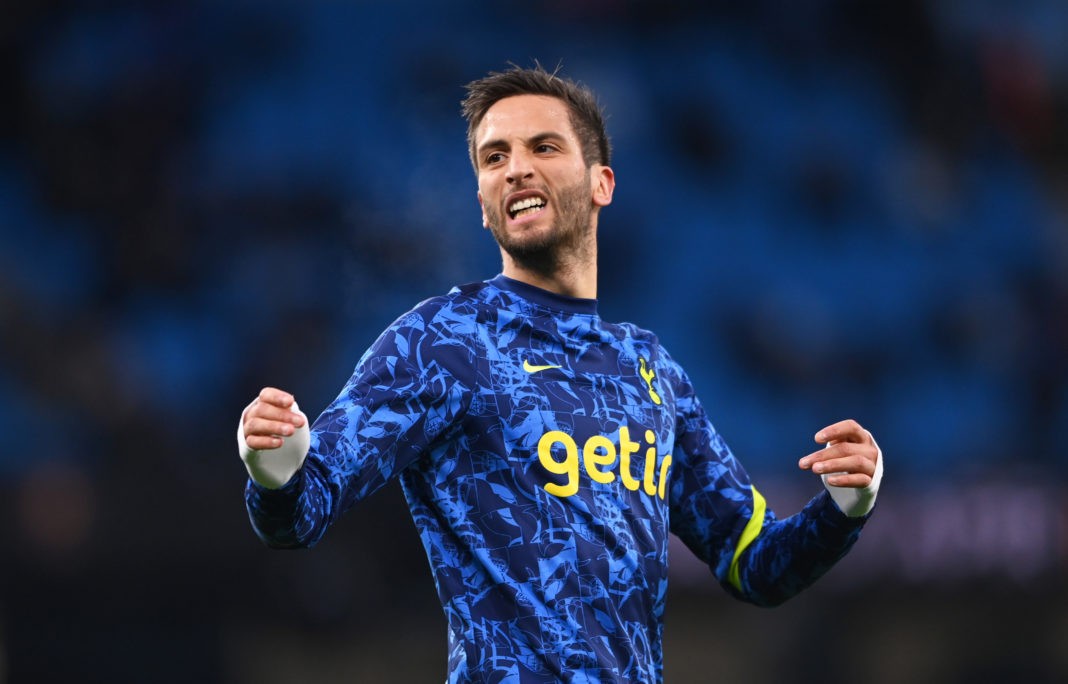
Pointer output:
x,y
272,468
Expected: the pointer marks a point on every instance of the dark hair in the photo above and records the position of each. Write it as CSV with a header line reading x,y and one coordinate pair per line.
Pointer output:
x,y
585,114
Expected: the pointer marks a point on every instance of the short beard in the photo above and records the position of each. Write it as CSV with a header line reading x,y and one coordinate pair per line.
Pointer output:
x,y
567,239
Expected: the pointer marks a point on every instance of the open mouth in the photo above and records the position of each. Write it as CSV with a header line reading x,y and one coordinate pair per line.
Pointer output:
x,y
526,207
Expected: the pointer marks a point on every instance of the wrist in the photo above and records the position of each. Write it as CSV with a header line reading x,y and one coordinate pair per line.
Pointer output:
x,y
856,502
273,468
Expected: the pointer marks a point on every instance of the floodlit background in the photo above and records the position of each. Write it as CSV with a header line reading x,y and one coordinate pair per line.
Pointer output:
x,y
825,209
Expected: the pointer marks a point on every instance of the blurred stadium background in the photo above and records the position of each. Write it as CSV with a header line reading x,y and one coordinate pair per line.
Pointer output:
x,y
825,209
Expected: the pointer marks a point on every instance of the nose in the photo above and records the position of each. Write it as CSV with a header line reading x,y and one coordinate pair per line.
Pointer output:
x,y
519,167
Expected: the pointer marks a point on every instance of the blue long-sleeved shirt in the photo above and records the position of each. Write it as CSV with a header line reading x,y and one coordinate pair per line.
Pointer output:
x,y
545,455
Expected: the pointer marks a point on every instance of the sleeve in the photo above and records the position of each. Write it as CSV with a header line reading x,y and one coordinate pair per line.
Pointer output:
x,y
407,393
726,522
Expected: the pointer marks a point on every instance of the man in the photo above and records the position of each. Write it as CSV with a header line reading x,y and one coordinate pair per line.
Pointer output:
x,y
545,453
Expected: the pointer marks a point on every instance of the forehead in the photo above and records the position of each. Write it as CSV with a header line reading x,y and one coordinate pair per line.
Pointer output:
x,y
523,116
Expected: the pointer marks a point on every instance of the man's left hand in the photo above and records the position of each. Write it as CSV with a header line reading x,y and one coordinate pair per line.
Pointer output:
x,y
848,460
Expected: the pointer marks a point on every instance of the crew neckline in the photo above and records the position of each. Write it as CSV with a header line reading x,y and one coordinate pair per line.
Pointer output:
x,y
544,297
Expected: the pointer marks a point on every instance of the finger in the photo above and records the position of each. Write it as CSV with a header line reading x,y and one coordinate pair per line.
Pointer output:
x,y
275,413
843,431
836,451
854,480
263,427
262,443
276,397
847,464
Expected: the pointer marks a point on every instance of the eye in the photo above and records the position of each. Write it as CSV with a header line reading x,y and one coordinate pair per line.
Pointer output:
x,y
493,158
545,148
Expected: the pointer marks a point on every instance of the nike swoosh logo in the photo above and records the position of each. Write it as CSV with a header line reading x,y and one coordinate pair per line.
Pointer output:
x,y
530,368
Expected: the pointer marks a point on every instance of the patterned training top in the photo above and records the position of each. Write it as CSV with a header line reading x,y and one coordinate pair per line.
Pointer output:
x,y
545,455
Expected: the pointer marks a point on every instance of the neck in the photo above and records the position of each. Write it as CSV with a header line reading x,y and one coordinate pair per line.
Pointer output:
x,y
580,284
574,275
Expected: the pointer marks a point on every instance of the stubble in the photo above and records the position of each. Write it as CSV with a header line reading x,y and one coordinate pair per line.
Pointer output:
x,y
566,243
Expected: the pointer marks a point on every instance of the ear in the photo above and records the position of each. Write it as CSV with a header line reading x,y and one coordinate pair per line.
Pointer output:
x,y
485,221
603,183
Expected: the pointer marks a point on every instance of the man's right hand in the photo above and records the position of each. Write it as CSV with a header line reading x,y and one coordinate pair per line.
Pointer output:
x,y
270,419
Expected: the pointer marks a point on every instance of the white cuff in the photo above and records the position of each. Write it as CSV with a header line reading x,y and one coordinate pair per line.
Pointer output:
x,y
858,502
272,468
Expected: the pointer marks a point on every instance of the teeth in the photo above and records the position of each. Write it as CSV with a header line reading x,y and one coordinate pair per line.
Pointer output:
x,y
522,206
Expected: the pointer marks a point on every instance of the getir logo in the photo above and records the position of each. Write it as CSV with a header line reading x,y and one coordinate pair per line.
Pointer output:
x,y
601,457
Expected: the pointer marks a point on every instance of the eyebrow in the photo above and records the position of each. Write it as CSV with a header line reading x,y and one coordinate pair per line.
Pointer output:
x,y
532,141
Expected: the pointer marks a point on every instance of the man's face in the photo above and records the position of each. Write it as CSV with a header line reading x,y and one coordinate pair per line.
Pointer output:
x,y
538,197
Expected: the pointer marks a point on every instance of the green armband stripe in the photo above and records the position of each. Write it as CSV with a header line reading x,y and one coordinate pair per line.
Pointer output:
x,y
751,532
